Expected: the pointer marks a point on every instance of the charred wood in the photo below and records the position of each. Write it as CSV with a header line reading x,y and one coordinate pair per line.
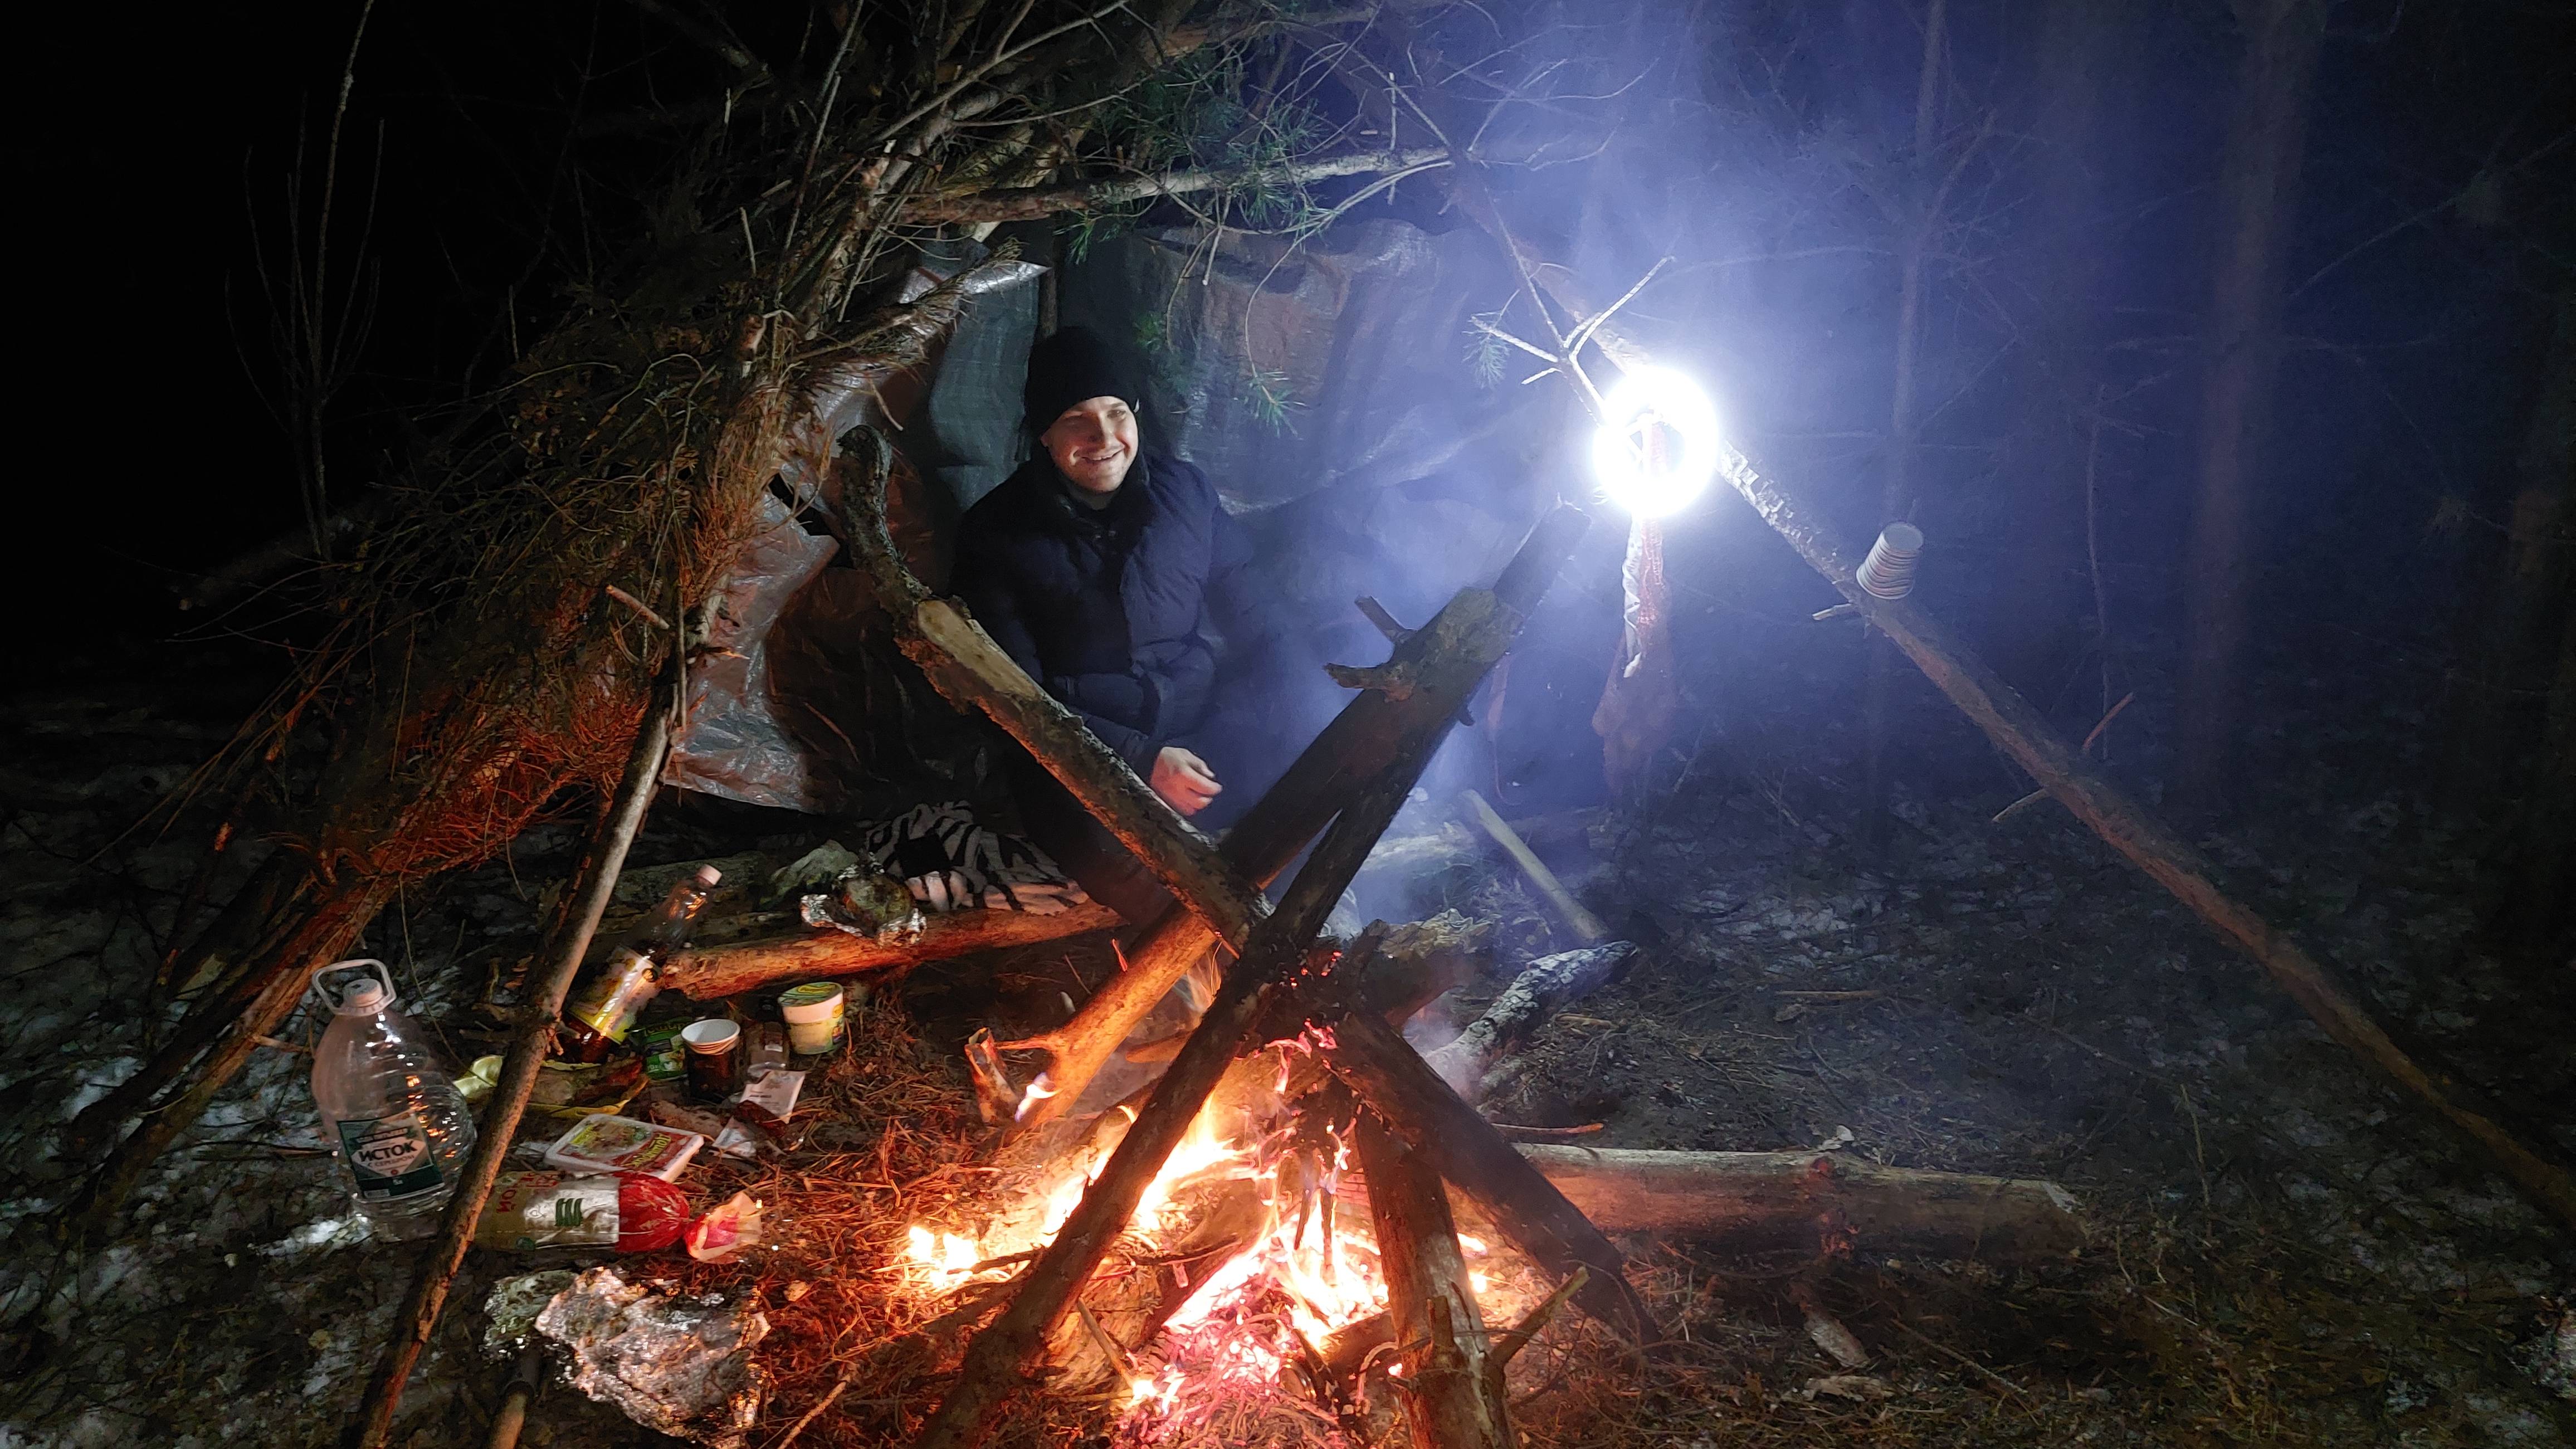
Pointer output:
x,y
1450,1399
1525,1207
995,1362
1536,994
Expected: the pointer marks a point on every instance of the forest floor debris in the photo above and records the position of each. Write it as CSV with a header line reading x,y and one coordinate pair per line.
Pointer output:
x,y
2281,1254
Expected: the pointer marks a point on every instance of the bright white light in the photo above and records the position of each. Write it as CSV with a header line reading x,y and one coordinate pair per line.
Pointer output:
x,y
1657,448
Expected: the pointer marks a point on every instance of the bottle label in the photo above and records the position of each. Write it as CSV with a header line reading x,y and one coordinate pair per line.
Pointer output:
x,y
390,1156
548,1210
623,989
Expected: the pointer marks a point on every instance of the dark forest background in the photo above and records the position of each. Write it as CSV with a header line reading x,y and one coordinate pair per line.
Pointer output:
x,y
2224,350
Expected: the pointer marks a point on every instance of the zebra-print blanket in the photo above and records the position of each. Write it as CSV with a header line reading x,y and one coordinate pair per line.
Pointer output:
x,y
950,863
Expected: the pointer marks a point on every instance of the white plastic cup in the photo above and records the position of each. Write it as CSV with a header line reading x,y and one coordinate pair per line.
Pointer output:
x,y
813,1012
1888,572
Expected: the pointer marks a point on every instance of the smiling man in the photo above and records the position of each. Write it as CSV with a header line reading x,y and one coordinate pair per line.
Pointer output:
x,y
1105,573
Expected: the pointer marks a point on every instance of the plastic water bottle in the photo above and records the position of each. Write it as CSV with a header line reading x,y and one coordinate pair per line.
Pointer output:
x,y
389,1105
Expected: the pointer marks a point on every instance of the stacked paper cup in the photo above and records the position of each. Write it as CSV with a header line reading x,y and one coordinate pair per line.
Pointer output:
x,y
1888,572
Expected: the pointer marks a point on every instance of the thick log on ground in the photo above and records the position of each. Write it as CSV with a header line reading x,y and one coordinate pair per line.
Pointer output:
x,y
710,971
1441,664
1812,1201
2025,735
1536,994
1396,1083
1450,1401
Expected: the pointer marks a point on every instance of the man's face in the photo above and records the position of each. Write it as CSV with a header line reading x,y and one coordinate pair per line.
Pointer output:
x,y
1093,443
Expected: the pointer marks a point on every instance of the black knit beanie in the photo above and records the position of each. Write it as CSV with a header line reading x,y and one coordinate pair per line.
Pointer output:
x,y
1073,366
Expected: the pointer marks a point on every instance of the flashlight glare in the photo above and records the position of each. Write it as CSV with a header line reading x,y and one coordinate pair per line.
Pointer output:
x,y
1657,447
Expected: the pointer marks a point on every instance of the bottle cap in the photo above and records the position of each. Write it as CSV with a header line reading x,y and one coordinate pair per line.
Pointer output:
x,y
364,997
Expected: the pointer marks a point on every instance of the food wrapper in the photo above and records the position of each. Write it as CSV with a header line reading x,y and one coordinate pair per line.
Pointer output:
x,y
679,1366
761,1114
565,1091
726,1229
622,1144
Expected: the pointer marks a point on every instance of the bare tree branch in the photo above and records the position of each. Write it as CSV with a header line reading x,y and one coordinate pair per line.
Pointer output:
x,y
1024,203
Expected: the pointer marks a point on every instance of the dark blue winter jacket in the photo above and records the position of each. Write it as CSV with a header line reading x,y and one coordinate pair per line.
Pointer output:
x,y
1109,609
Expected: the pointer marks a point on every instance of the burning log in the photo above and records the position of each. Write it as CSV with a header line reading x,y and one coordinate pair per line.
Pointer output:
x,y
1002,1353
1450,1399
1534,995
1526,1208
1443,662
708,972
1755,1202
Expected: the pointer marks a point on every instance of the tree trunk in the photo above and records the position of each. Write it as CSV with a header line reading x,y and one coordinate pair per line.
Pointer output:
x,y
2266,139
2538,922
1904,413
2078,63
2510,700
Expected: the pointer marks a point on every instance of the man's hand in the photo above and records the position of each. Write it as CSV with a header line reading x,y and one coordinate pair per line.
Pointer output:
x,y
1184,780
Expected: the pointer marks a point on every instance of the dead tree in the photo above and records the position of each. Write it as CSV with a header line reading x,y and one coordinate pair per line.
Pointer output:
x,y
2266,138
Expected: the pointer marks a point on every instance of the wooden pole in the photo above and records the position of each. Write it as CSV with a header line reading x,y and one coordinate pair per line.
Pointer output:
x,y
1396,1083
1587,926
999,1356
529,1046
1450,1401
2022,733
